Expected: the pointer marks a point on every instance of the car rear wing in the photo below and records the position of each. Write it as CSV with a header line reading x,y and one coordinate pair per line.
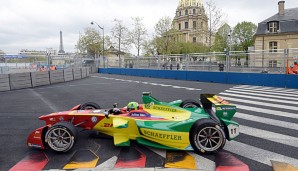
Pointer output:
x,y
218,106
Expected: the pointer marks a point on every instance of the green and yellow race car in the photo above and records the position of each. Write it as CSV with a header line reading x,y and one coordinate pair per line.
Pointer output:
x,y
179,125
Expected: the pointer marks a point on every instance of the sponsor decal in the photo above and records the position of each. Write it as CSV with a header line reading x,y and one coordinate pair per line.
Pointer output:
x,y
164,108
229,108
154,134
225,113
52,119
140,115
96,111
152,103
94,119
147,106
61,118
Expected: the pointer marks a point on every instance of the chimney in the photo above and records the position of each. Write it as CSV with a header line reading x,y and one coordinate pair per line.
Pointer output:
x,y
281,7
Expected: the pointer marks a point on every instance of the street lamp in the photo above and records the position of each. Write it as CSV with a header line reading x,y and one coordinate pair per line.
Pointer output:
x,y
103,44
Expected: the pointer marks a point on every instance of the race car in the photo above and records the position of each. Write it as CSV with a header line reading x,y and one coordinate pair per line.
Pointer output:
x,y
179,125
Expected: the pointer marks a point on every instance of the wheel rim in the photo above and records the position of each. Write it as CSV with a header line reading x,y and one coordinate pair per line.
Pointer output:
x,y
60,139
209,139
190,105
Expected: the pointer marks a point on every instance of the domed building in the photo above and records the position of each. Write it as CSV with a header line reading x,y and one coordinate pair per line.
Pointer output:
x,y
191,22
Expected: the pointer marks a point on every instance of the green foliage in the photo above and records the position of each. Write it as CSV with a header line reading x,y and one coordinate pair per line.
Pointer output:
x,y
90,42
243,35
138,33
222,38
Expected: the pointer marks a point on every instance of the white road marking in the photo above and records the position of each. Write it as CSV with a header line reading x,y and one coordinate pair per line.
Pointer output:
x,y
267,111
258,154
260,98
269,90
263,92
273,122
203,163
271,136
261,103
262,95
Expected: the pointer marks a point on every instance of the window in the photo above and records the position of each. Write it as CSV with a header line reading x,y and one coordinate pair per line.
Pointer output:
x,y
273,27
194,11
273,63
186,12
194,39
180,13
194,24
272,46
179,26
186,25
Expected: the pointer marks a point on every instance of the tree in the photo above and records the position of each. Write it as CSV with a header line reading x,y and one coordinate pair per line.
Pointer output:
x,y
164,35
149,48
90,42
120,35
222,38
138,33
215,19
243,35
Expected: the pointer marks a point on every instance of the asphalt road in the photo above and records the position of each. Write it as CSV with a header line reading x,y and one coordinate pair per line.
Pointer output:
x,y
268,117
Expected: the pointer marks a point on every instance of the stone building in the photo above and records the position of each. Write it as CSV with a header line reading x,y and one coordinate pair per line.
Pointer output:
x,y
191,22
277,32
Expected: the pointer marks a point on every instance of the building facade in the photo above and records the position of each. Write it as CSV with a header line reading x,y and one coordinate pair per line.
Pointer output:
x,y
279,31
191,22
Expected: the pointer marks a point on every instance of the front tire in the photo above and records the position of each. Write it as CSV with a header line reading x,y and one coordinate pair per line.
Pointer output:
x,y
61,137
207,137
189,103
89,106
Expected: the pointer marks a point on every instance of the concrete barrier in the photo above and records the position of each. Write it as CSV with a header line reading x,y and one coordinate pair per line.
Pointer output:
x,y
40,78
20,81
93,70
77,73
84,72
88,71
56,76
4,82
68,74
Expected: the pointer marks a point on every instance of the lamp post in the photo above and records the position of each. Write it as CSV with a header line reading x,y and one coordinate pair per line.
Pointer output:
x,y
103,44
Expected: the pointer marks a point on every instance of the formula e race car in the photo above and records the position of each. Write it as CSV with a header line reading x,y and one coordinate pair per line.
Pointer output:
x,y
179,125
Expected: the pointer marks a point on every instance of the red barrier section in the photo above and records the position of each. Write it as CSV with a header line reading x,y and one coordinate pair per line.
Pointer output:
x,y
227,162
131,158
34,161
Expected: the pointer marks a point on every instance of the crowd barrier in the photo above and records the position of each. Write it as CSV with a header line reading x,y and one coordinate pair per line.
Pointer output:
x,y
34,79
257,79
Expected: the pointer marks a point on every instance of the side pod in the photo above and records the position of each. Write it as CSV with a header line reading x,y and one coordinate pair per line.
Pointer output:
x,y
35,139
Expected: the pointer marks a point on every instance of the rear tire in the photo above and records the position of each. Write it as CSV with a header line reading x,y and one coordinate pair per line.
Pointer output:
x,y
189,103
61,137
89,106
207,137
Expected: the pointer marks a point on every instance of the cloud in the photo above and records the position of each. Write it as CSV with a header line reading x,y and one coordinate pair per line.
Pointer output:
x,y
35,24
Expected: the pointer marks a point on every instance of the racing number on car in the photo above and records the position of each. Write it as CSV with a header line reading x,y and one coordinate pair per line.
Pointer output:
x,y
107,125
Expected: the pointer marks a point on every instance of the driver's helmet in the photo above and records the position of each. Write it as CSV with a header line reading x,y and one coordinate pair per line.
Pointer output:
x,y
132,106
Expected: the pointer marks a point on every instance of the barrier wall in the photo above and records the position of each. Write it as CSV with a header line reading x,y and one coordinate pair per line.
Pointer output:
x,y
77,73
4,82
34,79
40,78
56,76
68,74
20,80
258,79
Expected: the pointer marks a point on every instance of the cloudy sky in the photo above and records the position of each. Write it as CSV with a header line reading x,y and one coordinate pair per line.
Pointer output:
x,y
35,24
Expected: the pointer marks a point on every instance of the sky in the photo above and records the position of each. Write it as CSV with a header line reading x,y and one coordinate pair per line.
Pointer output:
x,y
36,24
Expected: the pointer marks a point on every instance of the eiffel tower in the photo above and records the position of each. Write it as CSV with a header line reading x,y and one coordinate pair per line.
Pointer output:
x,y
61,48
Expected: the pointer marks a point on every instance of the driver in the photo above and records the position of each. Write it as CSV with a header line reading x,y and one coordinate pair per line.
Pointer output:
x,y
132,106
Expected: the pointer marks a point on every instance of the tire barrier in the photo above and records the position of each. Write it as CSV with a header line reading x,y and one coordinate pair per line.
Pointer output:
x,y
34,79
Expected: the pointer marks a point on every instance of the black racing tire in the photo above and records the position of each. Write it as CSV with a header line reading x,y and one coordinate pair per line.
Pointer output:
x,y
207,137
61,137
89,106
189,103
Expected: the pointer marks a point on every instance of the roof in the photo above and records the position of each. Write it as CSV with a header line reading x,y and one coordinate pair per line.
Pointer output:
x,y
290,14
288,22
